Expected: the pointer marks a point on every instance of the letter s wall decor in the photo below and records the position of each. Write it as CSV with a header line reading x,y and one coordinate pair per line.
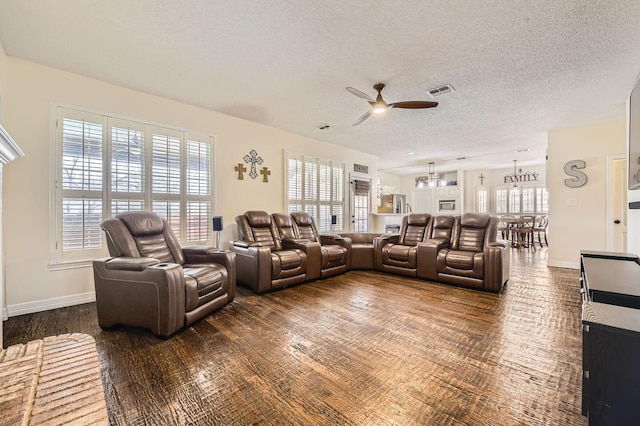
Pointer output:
x,y
578,178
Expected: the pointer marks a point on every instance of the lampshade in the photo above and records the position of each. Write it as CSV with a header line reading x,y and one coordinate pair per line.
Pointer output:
x,y
217,223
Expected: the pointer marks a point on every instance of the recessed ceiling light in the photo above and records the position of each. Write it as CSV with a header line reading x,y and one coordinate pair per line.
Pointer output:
x,y
410,153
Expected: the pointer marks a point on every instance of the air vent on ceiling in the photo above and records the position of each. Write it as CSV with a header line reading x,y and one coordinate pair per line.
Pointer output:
x,y
439,91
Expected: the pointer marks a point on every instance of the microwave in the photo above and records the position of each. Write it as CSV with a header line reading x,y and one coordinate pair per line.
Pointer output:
x,y
447,205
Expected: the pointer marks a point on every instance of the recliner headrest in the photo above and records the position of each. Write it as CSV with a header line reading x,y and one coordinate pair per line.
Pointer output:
x,y
283,220
440,222
257,218
418,218
475,220
302,218
142,223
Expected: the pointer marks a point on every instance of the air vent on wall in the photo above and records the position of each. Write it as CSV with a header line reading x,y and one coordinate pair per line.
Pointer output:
x,y
439,91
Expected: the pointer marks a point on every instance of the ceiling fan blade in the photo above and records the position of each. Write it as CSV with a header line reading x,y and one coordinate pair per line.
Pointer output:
x,y
414,104
362,118
359,94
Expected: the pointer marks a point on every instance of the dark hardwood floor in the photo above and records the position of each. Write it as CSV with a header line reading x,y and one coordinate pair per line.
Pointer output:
x,y
362,348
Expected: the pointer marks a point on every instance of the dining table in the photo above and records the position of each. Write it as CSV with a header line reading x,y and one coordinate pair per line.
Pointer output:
x,y
511,223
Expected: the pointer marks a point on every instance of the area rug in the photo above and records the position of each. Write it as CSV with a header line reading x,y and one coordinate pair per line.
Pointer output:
x,y
55,380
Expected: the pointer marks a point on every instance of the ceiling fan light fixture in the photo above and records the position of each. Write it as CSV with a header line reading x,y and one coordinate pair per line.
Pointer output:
x,y
379,107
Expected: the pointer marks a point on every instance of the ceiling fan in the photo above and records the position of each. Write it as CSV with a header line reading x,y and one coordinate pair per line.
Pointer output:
x,y
379,105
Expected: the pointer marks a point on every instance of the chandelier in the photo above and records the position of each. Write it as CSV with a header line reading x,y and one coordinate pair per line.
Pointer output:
x,y
432,179
519,176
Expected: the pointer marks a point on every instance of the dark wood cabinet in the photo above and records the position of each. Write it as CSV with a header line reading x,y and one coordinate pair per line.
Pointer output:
x,y
610,286
610,363
610,279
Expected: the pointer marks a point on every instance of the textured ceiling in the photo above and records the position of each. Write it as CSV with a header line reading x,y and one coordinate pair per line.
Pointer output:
x,y
520,68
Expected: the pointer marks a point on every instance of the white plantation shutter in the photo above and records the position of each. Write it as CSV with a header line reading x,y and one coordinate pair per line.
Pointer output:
x,y
501,201
315,186
81,176
109,166
528,195
542,200
166,164
198,185
482,205
170,210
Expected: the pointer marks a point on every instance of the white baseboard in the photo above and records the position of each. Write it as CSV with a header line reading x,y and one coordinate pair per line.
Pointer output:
x,y
48,304
561,264
5,315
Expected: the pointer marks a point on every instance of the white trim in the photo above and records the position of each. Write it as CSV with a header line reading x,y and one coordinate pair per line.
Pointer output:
x,y
5,315
609,213
563,264
48,304
70,265
9,150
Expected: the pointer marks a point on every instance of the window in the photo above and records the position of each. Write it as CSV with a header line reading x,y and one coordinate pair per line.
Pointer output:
x,y
523,200
542,198
315,186
528,200
107,166
482,201
501,201
514,200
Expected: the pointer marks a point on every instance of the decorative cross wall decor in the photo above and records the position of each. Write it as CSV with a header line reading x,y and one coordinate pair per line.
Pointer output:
x,y
254,159
240,168
265,173
481,177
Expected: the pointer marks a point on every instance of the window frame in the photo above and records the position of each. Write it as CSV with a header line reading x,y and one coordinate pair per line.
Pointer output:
x,y
482,199
311,200
64,259
520,202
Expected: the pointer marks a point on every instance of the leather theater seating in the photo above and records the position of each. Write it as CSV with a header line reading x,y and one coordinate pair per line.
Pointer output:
x,y
150,281
263,262
460,250
335,250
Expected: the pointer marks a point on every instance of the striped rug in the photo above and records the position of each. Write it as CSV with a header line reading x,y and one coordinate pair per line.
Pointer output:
x,y
55,380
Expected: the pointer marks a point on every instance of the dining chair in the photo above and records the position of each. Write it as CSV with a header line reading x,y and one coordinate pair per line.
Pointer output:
x,y
524,231
541,229
503,228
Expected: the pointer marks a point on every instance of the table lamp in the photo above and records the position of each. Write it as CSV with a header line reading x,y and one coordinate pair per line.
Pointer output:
x,y
217,227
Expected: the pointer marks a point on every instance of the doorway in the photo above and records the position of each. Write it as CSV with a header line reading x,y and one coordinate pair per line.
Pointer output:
x,y
617,204
360,207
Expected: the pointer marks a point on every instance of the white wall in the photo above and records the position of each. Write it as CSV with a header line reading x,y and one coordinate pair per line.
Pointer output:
x,y
3,79
577,216
34,89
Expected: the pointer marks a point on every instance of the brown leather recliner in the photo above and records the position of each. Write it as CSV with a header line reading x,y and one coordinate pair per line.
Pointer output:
x,y
152,282
475,258
262,261
336,250
438,236
397,254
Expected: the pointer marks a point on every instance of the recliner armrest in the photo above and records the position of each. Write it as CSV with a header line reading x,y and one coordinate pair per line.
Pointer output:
x,y
428,257
130,263
293,242
206,254
387,239
499,243
496,265
246,244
